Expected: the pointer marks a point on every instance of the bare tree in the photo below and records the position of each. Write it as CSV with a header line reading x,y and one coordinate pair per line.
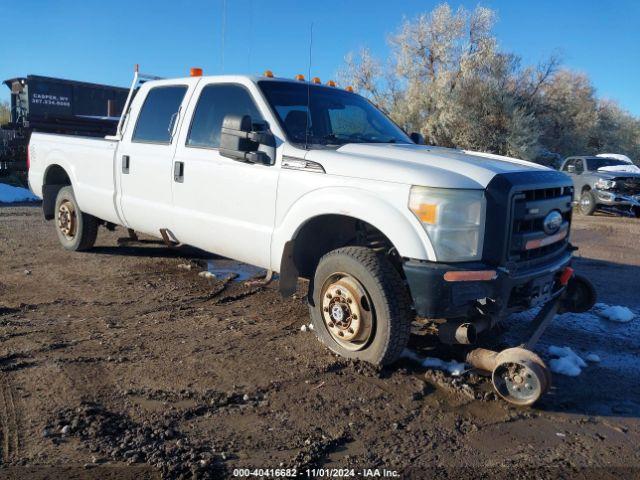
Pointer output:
x,y
5,112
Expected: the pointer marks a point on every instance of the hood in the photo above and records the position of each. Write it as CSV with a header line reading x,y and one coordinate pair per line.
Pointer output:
x,y
418,164
615,170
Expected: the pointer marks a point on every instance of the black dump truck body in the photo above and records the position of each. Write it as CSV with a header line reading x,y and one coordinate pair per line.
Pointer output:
x,y
54,105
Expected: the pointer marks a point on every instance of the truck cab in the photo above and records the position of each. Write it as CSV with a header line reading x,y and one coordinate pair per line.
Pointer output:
x,y
312,181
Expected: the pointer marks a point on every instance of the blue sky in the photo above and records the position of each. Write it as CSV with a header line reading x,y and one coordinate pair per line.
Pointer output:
x,y
100,41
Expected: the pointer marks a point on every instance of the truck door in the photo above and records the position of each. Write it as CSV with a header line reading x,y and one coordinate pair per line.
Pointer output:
x,y
222,205
143,160
573,167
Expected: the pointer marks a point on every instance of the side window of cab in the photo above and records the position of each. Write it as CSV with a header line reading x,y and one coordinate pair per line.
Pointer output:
x,y
158,114
215,102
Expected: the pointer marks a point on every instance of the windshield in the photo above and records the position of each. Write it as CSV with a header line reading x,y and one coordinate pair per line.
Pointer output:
x,y
334,117
596,163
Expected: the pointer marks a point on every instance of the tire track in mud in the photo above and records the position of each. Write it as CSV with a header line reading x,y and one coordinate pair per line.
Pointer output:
x,y
9,420
238,296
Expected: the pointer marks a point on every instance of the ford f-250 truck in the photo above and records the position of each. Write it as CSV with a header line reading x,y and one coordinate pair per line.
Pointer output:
x,y
312,181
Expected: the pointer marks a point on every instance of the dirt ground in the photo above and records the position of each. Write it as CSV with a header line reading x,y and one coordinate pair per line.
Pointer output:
x,y
122,363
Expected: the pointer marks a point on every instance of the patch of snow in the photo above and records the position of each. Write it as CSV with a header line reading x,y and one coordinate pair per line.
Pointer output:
x,y
303,328
10,194
567,352
240,272
454,368
616,156
565,366
614,313
311,326
206,274
593,357
620,168
568,362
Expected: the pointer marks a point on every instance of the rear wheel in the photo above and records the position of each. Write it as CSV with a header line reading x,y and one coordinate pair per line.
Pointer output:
x,y
361,307
76,230
588,204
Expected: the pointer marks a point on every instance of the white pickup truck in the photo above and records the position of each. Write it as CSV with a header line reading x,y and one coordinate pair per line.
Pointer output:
x,y
313,181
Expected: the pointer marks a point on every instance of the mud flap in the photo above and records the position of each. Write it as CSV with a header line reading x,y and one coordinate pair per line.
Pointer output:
x,y
288,271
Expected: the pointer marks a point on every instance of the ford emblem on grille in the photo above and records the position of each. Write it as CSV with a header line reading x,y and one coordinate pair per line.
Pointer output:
x,y
552,222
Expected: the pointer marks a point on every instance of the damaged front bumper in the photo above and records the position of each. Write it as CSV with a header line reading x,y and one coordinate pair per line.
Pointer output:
x,y
614,199
437,293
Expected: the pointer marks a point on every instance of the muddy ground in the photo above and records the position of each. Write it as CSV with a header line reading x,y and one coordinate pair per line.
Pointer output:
x,y
122,363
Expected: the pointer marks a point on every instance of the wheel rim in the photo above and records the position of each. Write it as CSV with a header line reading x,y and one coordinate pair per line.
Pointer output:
x,y
520,376
67,219
519,383
347,311
585,203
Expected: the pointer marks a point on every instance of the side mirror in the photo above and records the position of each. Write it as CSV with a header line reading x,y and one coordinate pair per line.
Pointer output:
x,y
239,141
417,138
571,168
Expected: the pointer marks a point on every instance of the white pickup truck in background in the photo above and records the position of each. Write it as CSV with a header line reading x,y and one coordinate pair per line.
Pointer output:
x,y
313,181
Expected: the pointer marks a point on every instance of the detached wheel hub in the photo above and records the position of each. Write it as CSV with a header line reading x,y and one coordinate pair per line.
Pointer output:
x,y
345,311
520,376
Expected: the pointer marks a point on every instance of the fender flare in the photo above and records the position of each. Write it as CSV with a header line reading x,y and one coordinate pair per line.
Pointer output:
x,y
50,191
403,230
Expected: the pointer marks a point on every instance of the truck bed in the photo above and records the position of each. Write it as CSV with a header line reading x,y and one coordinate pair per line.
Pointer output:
x,y
89,162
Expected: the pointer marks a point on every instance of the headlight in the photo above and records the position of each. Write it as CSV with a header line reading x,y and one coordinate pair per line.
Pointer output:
x,y
453,220
604,184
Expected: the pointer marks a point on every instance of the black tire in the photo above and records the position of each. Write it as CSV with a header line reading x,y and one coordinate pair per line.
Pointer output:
x,y
580,295
386,302
77,231
588,203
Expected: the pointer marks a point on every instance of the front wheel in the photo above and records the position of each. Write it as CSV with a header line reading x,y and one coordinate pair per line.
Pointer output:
x,y
588,203
360,305
76,230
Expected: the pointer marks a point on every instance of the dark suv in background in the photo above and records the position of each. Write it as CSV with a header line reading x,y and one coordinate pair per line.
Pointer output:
x,y
616,192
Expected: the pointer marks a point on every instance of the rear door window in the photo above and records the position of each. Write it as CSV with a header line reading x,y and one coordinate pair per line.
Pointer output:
x,y
215,102
159,114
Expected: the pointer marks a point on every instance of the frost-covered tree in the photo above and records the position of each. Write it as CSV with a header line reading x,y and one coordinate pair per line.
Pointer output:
x,y
567,112
447,78
616,131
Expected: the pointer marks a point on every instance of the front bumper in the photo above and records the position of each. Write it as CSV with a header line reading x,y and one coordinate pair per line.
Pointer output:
x,y
510,290
614,199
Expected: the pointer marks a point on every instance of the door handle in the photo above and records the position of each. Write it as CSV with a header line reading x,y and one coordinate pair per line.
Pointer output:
x,y
178,172
125,163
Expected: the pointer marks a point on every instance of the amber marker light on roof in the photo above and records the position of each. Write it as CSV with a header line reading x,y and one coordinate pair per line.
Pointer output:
x,y
300,77
196,72
268,73
349,88
331,83
316,80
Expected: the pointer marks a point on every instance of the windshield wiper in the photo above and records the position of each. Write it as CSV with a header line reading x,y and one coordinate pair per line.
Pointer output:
x,y
336,141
